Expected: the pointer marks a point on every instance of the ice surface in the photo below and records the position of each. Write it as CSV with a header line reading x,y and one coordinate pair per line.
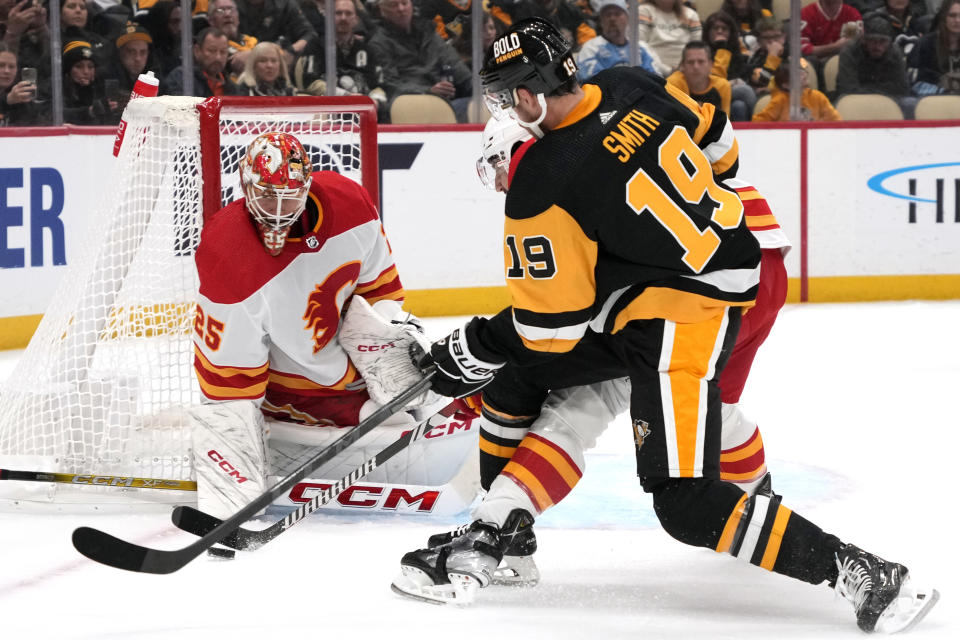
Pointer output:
x,y
858,409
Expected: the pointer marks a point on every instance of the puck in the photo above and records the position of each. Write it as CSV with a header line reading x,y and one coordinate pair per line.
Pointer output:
x,y
221,553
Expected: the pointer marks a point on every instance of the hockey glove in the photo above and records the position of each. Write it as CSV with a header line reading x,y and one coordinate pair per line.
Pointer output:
x,y
463,365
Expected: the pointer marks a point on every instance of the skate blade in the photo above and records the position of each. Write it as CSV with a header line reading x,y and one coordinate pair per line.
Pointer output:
x,y
516,571
910,607
415,584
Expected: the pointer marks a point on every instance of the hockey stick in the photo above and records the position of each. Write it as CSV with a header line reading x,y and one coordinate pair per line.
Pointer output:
x,y
199,523
114,552
127,482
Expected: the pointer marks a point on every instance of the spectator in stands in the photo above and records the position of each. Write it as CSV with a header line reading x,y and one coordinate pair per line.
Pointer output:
x,y
814,105
565,15
463,43
134,56
766,59
83,98
909,22
163,23
26,33
694,77
610,48
16,17
74,15
723,36
313,12
936,58
416,60
451,18
873,64
666,26
17,107
746,13
827,26
108,17
280,21
209,62
223,15
266,73
358,71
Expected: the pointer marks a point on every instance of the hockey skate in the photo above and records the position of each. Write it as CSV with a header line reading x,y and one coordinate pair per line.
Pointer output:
x,y
880,591
517,569
451,573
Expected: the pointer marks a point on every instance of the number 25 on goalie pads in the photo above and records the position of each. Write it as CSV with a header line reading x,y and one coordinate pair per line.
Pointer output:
x,y
435,475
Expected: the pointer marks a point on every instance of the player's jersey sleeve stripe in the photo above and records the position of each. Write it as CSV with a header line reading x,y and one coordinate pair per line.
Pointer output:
x,y
388,276
550,264
292,383
229,383
560,340
729,280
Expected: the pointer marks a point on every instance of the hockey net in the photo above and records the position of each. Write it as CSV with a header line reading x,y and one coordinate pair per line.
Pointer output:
x,y
102,387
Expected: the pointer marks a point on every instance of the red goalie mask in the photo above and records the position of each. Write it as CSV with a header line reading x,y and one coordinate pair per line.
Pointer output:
x,y
275,175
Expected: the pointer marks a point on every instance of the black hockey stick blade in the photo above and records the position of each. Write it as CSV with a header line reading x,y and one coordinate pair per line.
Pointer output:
x,y
199,523
114,552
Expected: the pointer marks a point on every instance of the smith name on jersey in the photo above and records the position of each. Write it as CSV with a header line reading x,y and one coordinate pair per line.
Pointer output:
x,y
619,213
266,327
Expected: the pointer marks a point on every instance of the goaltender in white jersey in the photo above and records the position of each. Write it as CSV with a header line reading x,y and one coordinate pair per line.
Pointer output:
x,y
277,269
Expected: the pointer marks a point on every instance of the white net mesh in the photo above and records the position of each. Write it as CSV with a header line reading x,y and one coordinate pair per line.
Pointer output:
x,y
102,385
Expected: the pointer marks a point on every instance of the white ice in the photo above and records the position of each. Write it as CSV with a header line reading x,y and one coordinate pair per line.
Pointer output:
x,y
858,408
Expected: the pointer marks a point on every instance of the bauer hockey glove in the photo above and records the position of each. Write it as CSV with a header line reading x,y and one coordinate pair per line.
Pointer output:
x,y
463,366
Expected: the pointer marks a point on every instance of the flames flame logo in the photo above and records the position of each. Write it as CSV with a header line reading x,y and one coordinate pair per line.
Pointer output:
x,y
323,307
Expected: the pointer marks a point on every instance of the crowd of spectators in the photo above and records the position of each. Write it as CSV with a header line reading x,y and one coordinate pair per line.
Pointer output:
x,y
905,49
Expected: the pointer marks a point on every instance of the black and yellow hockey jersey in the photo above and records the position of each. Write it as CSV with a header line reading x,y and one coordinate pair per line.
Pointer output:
x,y
619,214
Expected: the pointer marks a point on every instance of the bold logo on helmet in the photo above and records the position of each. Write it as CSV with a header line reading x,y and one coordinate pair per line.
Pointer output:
x,y
506,48
324,304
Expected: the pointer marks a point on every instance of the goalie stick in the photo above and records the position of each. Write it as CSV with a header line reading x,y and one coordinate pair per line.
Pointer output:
x,y
114,552
200,523
123,482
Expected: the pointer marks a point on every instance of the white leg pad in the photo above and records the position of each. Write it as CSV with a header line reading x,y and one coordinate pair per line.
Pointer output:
x,y
229,444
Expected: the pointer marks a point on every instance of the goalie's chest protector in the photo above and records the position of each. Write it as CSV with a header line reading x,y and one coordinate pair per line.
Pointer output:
x,y
285,310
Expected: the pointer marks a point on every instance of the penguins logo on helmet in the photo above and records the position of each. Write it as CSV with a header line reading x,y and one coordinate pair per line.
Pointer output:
x,y
531,54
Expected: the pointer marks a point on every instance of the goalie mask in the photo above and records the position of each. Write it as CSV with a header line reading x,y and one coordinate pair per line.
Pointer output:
x,y
531,54
275,176
500,139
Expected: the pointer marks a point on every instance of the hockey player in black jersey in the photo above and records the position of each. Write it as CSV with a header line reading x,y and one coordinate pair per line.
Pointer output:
x,y
626,256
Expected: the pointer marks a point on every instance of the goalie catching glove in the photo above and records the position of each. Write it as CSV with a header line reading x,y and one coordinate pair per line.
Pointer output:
x,y
463,365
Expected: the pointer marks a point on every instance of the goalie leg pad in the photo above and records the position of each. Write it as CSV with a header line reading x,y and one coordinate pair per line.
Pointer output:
x,y
229,444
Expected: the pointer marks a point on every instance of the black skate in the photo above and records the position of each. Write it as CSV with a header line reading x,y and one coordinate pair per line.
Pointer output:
x,y
881,593
517,569
452,572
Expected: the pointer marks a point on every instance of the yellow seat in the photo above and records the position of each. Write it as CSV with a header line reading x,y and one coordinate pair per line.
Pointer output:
x,y
762,103
868,106
938,108
830,70
421,109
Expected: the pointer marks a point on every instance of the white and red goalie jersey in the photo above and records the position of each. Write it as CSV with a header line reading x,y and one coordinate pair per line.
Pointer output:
x,y
266,327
